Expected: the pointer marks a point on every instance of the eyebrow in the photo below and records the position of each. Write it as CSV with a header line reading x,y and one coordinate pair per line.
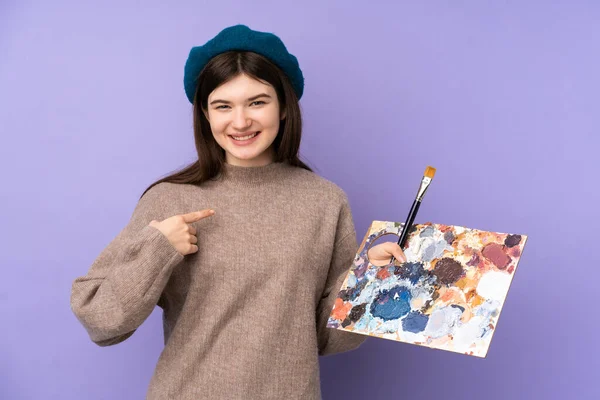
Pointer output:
x,y
250,99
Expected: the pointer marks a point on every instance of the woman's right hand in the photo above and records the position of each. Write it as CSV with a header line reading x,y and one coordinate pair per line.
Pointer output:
x,y
177,229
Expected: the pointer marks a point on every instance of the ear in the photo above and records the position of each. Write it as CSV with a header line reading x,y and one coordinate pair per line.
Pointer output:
x,y
282,115
205,112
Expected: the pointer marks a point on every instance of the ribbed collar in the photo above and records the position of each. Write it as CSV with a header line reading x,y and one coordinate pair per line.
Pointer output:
x,y
250,176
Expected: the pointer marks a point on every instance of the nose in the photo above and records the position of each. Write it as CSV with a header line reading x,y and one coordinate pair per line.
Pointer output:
x,y
240,119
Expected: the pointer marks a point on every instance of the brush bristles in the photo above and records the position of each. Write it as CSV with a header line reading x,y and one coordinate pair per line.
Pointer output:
x,y
430,172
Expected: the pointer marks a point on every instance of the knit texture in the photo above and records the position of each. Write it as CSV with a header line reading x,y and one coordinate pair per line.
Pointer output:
x,y
245,316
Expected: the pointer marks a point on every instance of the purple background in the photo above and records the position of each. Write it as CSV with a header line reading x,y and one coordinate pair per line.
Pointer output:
x,y
502,98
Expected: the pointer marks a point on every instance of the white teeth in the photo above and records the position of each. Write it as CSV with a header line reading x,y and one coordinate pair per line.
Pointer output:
x,y
245,137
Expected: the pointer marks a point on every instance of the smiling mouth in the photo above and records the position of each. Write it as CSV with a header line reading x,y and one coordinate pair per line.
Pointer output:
x,y
245,137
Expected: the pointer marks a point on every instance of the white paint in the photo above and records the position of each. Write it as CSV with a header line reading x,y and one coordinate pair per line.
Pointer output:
x,y
494,285
468,334
442,321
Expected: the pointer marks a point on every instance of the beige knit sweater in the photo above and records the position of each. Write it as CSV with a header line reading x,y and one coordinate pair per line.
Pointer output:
x,y
245,316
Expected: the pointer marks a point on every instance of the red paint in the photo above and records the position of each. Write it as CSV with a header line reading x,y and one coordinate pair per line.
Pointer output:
x,y
383,273
515,251
495,253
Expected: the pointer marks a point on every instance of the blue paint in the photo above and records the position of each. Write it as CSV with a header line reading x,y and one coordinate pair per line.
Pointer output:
x,y
485,331
391,304
352,280
433,250
461,308
372,325
429,252
427,232
333,323
415,322
411,271
360,270
449,237
350,294
361,324
389,326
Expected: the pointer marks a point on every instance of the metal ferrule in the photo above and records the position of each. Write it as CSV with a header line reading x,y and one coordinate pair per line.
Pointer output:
x,y
423,188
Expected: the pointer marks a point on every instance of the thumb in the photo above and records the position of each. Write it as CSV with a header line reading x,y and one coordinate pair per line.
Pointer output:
x,y
197,215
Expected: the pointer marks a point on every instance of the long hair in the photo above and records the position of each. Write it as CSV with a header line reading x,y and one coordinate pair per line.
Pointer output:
x,y
211,156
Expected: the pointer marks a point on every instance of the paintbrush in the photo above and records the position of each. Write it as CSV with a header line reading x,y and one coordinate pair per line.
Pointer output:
x,y
425,182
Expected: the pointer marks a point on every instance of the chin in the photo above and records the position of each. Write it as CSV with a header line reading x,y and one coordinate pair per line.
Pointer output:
x,y
245,157
248,156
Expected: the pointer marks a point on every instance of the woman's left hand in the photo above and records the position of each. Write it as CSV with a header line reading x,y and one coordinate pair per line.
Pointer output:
x,y
381,254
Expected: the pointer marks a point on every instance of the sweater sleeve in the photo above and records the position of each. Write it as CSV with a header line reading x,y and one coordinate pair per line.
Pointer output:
x,y
332,340
124,283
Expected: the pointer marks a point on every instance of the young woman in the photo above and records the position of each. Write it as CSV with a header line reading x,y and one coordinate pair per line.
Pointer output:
x,y
245,250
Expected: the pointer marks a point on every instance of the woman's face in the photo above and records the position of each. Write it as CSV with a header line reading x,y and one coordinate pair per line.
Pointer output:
x,y
244,117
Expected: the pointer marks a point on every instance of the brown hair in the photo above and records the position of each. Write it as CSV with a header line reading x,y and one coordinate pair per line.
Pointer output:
x,y
211,156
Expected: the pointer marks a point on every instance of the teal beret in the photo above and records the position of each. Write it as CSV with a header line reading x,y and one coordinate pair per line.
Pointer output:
x,y
240,37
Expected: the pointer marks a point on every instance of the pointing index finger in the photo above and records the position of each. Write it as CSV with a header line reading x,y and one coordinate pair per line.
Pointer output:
x,y
197,215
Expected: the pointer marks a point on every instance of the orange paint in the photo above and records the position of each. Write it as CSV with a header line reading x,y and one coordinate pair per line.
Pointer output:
x,y
466,315
448,295
466,283
461,283
340,310
476,300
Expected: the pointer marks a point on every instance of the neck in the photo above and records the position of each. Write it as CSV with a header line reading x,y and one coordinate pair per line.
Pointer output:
x,y
248,176
261,160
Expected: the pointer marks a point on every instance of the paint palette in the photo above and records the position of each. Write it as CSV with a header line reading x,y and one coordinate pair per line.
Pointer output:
x,y
447,295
